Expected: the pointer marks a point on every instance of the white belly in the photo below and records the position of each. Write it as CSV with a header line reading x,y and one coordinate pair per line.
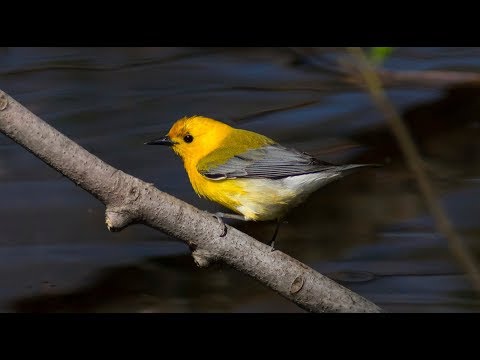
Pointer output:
x,y
268,199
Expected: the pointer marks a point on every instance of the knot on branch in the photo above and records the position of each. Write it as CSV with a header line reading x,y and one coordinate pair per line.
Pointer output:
x,y
134,192
3,101
203,258
117,219
297,284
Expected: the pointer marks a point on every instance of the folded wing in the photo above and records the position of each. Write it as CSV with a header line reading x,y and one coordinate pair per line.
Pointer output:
x,y
268,162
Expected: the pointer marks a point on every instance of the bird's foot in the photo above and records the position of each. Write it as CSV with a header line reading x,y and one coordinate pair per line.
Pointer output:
x,y
271,243
224,231
220,215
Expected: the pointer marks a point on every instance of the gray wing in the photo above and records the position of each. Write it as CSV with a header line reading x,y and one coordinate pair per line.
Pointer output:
x,y
271,162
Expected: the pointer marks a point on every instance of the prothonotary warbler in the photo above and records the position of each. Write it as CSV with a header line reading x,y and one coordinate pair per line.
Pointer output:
x,y
246,172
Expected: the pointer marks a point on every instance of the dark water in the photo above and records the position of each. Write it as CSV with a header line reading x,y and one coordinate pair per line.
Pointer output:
x,y
370,231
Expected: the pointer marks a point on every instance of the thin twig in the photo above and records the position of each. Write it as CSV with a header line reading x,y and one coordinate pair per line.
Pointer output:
x,y
415,163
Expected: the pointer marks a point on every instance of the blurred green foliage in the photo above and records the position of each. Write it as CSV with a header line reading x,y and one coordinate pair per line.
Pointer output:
x,y
378,55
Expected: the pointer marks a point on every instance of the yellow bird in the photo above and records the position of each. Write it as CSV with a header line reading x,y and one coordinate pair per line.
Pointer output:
x,y
246,172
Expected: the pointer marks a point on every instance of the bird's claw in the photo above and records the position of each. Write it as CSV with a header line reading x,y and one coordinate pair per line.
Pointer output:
x,y
224,232
272,245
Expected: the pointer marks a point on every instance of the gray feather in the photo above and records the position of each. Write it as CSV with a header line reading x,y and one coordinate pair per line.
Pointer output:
x,y
272,162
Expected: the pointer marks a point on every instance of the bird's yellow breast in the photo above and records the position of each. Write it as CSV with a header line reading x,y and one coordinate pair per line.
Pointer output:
x,y
226,192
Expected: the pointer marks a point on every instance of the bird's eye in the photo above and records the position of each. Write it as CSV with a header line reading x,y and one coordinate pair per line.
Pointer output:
x,y
188,138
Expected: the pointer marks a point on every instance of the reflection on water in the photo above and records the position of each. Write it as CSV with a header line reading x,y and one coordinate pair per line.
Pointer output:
x,y
369,231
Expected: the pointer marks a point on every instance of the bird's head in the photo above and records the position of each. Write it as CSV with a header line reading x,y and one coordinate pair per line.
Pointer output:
x,y
194,137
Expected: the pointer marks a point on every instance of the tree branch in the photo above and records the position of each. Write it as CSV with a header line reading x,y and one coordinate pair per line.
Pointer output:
x,y
129,200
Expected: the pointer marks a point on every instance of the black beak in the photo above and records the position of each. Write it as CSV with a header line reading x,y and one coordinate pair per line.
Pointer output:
x,y
162,141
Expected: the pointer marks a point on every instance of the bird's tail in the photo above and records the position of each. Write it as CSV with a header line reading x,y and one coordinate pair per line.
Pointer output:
x,y
347,169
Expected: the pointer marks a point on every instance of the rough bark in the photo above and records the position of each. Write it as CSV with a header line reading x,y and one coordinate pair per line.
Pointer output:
x,y
130,200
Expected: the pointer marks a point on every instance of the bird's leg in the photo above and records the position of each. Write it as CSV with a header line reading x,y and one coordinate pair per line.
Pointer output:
x,y
272,242
220,215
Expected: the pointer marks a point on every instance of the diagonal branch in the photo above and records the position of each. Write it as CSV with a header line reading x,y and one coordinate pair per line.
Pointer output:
x,y
130,200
